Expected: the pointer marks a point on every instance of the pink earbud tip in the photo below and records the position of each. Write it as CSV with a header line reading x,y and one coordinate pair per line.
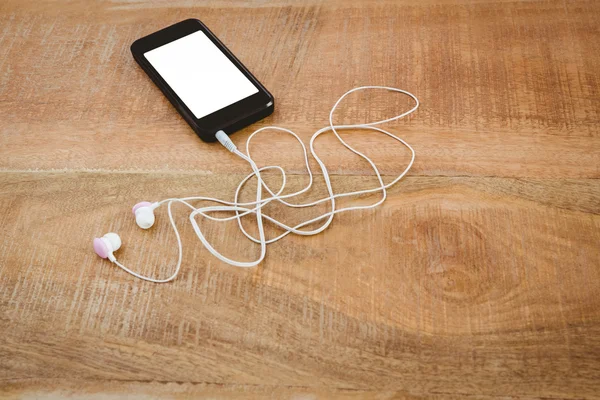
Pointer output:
x,y
100,248
138,205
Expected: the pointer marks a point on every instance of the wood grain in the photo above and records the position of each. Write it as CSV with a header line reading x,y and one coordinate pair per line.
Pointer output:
x,y
527,108
88,389
478,278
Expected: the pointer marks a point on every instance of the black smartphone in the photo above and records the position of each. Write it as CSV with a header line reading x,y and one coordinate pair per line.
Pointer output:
x,y
205,82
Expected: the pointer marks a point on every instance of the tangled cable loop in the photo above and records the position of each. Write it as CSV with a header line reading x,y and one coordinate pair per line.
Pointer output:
x,y
241,209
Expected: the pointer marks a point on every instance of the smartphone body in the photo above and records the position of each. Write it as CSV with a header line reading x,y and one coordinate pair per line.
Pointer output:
x,y
205,82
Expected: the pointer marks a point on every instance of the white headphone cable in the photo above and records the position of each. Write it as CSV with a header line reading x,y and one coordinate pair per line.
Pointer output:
x,y
242,208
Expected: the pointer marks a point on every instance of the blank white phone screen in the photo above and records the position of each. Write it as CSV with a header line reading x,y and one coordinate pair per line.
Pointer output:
x,y
201,75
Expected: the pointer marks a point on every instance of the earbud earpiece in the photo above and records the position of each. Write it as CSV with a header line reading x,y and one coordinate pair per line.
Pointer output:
x,y
144,214
106,245
114,240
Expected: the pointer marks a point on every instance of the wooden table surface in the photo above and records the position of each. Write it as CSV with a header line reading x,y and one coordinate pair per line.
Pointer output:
x,y
478,278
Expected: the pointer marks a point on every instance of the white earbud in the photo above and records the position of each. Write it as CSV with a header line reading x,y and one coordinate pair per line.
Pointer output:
x,y
144,214
106,245
114,240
